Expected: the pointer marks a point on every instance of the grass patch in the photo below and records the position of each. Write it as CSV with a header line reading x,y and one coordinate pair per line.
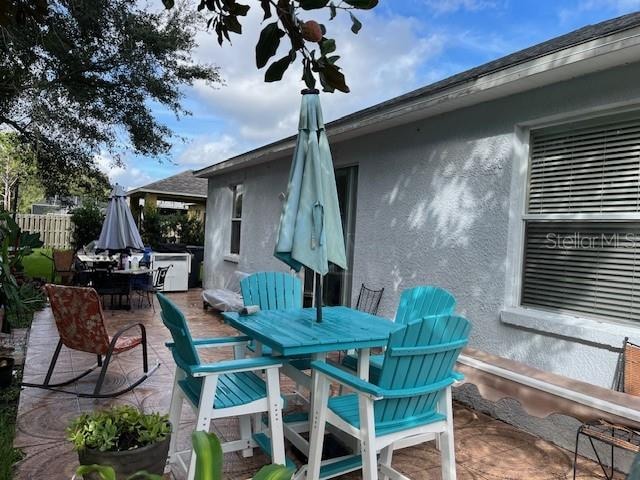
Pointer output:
x,y
8,410
37,265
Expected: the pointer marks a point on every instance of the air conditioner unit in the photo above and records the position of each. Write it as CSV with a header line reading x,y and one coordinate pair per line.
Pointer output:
x,y
177,279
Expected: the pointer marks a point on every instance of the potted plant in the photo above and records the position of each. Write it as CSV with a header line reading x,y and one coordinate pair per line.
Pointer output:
x,y
208,451
123,438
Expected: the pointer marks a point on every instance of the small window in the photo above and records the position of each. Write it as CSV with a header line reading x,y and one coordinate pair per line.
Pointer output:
x,y
236,219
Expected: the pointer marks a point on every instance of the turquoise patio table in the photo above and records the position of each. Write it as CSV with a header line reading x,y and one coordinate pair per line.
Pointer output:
x,y
296,332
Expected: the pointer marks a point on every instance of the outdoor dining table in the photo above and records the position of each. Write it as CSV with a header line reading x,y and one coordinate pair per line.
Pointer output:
x,y
295,332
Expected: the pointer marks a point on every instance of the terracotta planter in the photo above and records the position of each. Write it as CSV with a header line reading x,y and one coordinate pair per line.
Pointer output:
x,y
151,458
6,371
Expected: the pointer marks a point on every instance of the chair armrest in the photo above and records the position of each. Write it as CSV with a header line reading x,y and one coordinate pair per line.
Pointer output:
x,y
458,376
373,391
216,341
345,378
232,366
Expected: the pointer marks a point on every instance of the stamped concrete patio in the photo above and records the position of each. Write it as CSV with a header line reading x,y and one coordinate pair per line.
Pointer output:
x,y
485,448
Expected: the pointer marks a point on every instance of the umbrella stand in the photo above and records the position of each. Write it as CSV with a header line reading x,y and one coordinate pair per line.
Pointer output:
x,y
318,297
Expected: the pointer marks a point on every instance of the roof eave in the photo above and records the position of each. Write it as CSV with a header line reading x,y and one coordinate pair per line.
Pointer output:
x,y
608,51
164,192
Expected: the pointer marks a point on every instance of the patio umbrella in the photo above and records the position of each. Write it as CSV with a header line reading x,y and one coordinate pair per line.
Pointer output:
x,y
119,232
310,232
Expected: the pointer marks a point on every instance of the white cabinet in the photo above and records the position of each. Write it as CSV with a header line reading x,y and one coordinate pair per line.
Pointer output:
x,y
177,279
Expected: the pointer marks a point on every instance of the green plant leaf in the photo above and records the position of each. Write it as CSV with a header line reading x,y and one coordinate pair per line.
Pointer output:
x,y
307,76
266,8
276,70
208,451
268,43
274,472
356,24
331,77
333,10
362,4
327,45
313,4
144,475
105,472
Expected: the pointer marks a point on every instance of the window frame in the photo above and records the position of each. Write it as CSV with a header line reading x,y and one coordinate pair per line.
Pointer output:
x,y
605,331
235,220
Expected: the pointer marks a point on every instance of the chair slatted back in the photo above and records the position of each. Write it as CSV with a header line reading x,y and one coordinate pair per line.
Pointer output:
x,y
631,368
79,318
184,352
369,299
418,302
272,290
421,354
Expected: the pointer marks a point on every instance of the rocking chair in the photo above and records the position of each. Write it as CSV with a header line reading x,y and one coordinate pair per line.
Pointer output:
x,y
80,322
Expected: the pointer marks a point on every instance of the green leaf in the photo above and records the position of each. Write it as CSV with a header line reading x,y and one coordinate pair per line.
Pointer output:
x,y
362,4
144,475
333,59
307,76
208,451
276,70
333,78
266,8
356,24
268,43
105,472
313,4
274,472
327,45
334,11
168,3
239,9
232,24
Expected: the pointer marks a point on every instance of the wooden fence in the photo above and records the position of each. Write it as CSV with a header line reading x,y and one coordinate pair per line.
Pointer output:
x,y
54,230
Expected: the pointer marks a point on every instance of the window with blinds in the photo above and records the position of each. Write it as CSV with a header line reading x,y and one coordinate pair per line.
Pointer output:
x,y
580,255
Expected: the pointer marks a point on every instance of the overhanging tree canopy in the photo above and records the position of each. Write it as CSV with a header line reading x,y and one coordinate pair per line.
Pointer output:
x,y
78,78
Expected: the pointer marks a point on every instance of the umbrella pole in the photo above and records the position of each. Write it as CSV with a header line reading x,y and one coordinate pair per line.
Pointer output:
x,y
318,297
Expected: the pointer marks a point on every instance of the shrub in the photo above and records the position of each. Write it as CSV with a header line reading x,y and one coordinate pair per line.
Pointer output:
x,y
118,429
87,224
152,229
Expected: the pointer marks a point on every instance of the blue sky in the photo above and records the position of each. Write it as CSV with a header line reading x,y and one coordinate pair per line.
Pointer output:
x,y
404,44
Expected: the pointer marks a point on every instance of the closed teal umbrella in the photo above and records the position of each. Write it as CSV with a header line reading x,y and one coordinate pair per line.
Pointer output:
x,y
310,232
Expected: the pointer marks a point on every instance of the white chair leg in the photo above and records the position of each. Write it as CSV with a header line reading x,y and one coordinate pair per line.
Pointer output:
x,y
385,459
318,421
447,448
274,399
368,439
245,433
175,411
207,397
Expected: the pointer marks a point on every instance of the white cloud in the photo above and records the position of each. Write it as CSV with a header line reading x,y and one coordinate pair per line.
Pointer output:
x,y
206,151
567,15
125,175
384,60
451,6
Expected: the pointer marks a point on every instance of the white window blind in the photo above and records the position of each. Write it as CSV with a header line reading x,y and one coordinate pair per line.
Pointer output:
x,y
590,268
586,169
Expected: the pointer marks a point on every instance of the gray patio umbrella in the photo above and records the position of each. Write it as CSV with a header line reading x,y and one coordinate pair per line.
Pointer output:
x,y
119,232
310,232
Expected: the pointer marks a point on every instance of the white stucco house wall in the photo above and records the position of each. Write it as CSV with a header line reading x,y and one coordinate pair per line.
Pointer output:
x,y
444,196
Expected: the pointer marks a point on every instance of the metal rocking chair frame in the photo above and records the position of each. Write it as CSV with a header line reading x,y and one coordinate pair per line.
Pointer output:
x,y
102,362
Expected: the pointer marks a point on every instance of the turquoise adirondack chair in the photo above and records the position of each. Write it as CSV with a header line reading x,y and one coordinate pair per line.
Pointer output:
x,y
230,388
415,303
411,399
271,291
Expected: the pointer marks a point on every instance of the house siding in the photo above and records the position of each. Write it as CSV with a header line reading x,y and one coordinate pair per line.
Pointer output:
x,y
433,208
